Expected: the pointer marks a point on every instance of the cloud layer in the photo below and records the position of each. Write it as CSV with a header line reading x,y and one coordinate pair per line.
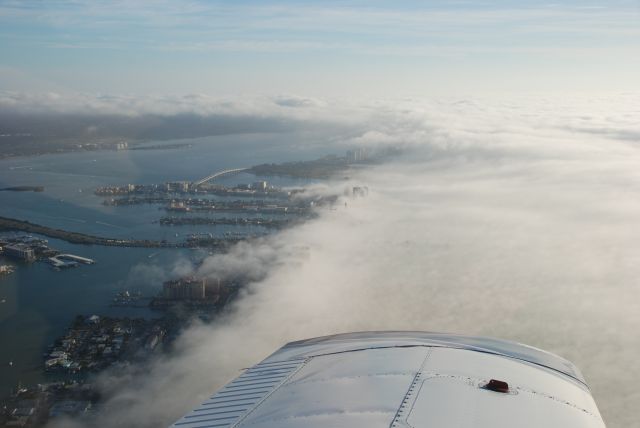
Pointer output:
x,y
505,218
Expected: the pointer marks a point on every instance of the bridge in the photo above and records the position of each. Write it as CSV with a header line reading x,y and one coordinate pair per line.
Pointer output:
x,y
219,174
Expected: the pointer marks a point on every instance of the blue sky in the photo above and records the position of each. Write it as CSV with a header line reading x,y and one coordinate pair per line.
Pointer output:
x,y
319,48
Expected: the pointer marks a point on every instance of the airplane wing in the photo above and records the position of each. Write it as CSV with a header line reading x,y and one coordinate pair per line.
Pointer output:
x,y
403,379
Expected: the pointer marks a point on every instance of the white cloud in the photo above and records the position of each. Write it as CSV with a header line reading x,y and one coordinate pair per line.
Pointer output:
x,y
135,105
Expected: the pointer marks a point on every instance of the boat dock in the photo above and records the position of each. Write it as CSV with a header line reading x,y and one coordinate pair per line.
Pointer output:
x,y
69,260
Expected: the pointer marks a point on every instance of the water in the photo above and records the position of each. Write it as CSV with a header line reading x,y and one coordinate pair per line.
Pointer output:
x,y
39,302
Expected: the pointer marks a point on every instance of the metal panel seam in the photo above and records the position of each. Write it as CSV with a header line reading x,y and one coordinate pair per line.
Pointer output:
x,y
408,396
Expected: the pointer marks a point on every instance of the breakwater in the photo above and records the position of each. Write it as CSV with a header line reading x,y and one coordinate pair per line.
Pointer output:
x,y
84,239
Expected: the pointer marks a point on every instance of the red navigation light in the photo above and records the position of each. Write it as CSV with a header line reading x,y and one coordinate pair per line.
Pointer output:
x,y
497,386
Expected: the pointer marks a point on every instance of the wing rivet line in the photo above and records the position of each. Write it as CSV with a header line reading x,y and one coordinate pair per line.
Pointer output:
x,y
409,397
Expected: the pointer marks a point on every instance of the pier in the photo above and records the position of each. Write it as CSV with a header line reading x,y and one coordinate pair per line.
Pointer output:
x,y
69,260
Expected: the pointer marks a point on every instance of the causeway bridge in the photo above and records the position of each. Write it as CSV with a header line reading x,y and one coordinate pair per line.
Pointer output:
x,y
219,174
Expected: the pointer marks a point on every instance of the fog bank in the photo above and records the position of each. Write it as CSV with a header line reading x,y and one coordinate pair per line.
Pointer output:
x,y
519,220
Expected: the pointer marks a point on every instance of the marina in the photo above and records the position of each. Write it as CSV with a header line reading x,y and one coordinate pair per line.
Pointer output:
x,y
43,301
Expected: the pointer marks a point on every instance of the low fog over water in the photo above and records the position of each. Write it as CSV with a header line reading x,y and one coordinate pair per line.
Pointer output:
x,y
518,220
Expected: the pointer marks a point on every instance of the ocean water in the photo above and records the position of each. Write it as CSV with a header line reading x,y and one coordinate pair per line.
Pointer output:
x,y
38,302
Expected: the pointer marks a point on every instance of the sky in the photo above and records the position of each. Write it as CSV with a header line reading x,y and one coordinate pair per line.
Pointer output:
x,y
319,48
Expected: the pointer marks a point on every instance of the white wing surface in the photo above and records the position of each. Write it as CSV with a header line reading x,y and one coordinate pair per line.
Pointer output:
x,y
403,379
